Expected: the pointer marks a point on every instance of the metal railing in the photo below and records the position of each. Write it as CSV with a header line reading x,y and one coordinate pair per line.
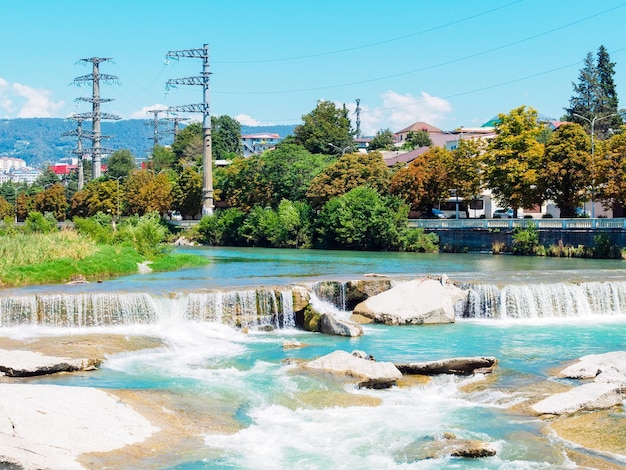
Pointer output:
x,y
546,224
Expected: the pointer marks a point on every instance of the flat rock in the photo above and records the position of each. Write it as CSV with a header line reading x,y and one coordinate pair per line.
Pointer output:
x,y
19,363
587,397
368,373
457,366
608,367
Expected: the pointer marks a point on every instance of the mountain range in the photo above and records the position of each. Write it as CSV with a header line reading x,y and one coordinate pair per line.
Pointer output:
x,y
40,141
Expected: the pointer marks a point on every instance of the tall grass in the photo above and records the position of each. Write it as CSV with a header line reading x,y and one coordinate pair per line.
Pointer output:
x,y
23,249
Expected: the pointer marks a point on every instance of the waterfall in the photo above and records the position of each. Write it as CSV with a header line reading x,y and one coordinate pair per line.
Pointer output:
x,y
333,292
252,308
558,300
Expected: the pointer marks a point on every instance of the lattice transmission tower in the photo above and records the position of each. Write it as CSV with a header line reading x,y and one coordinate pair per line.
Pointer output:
x,y
202,80
79,151
96,116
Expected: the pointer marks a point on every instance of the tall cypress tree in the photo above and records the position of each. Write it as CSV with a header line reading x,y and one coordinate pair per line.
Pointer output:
x,y
595,96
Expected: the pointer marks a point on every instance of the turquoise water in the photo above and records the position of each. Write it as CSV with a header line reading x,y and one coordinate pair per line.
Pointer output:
x,y
281,425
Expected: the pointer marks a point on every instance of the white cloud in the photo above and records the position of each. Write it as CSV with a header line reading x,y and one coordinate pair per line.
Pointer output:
x,y
399,111
26,102
143,112
246,120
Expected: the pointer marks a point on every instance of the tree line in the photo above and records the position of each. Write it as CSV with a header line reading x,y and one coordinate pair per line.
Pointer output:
x,y
315,190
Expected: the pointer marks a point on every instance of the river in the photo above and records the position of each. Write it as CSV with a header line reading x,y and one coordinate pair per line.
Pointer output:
x,y
285,419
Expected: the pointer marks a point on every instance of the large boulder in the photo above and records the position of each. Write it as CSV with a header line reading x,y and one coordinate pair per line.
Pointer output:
x,y
416,302
331,325
457,366
360,290
19,363
587,397
368,373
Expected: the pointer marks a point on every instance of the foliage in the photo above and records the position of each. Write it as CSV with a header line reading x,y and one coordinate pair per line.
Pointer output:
x,y
225,137
416,240
146,233
98,227
188,145
47,178
514,159
595,96
147,192
526,240
221,228
6,209
362,219
120,164
36,222
187,192
288,226
162,159
467,168
567,168
100,195
350,171
425,181
604,248
612,170
52,200
323,126
417,139
383,140
266,179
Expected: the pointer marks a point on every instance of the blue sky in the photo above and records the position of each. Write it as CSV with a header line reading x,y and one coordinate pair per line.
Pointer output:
x,y
449,63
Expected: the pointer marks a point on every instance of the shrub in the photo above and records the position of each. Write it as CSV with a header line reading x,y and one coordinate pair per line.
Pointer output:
x,y
414,239
525,240
146,235
37,223
604,248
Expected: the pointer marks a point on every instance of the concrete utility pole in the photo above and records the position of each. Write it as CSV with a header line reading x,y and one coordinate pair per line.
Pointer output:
x,y
96,116
202,80
79,152
358,117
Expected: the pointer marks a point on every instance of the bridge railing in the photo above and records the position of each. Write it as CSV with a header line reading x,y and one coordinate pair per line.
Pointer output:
x,y
547,224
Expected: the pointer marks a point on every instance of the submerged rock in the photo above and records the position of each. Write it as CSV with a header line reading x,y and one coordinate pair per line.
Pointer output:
x,y
457,365
447,446
368,373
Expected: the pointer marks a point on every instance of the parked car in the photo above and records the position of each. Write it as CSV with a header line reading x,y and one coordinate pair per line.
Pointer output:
x,y
176,216
433,214
584,213
503,214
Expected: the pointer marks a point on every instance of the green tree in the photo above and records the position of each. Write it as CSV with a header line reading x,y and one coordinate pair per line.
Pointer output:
x,y
362,219
425,181
514,159
187,192
6,209
612,171
47,178
147,192
350,171
162,158
52,200
325,129
417,139
120,164
595,96
383,140
225,137
188,146
467,168
567,168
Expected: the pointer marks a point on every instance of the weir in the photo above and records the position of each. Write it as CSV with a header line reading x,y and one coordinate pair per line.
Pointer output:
x,y
274,308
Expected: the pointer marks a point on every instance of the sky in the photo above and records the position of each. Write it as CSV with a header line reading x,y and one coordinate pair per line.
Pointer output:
x,y
448,63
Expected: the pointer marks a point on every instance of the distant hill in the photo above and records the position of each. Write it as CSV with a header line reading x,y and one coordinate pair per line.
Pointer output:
x,y
39,141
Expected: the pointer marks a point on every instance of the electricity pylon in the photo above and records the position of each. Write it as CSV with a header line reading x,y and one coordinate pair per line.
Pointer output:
x,y
95,115
202,80
79,151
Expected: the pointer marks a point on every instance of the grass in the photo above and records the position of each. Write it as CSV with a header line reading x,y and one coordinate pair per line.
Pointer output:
x,y
35,258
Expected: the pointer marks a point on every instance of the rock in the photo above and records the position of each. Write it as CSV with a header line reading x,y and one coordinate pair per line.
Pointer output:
x,y
587,397
448,446
417,302
28,364
608,367
370,374
358,291
288,344
301,298
78,279
458,366
331,325
470,449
